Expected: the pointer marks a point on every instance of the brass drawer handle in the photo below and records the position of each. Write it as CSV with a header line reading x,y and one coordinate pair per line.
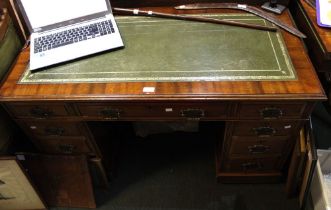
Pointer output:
x,y
56,131
40,113
258,149
66,148
271,113
264,131
251,166
192,114
110,113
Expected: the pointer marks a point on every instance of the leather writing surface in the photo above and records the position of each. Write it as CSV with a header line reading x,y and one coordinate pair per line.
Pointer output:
x,y
173,50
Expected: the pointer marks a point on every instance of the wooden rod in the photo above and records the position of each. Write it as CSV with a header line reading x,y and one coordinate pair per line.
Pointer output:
x,y
4,21
193,18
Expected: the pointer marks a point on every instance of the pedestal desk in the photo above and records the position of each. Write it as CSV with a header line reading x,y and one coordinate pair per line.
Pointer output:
x,y
262,118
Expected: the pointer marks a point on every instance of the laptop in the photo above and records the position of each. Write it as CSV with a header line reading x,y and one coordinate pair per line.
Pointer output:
x,y
63,30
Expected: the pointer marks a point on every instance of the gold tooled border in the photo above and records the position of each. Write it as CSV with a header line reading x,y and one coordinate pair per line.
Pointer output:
x,y
26,77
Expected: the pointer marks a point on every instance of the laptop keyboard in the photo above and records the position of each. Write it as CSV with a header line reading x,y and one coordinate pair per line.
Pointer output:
x,y
74,35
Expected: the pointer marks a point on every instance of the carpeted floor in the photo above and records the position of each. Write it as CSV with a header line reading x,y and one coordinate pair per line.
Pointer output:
x,y
177,172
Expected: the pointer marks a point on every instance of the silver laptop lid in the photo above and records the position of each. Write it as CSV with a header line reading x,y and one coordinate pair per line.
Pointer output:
x,y
43,15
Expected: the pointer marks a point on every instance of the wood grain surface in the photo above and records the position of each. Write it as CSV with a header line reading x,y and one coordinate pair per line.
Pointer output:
x,y
307,87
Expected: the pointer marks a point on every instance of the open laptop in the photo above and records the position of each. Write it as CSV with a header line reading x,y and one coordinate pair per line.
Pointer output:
x,y
63,30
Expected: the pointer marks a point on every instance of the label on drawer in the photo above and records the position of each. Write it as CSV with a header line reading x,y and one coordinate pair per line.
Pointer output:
x,y
148,89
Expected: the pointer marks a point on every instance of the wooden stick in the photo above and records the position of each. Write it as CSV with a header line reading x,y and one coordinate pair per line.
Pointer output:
x,y
194,18
4,21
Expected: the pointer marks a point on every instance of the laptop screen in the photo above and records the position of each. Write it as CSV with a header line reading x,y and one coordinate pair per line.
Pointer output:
x,y
42,13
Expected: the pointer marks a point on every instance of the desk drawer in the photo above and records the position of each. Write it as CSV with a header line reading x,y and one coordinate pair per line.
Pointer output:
x,y
255,146
264,128
64,145
194,111
38,111
251,165
52,128
113,111
271,110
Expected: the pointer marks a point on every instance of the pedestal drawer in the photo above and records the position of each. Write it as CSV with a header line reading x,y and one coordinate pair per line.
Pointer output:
x,y
255,146
64,145
52,128
255,165
264,128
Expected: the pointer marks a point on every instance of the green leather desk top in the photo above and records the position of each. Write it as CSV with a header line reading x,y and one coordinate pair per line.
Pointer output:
x,y
174,50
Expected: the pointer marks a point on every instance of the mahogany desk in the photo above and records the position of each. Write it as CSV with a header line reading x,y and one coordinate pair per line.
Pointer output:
x,y
262,118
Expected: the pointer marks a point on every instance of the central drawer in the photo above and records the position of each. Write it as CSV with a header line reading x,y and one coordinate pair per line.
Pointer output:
x,y
139,111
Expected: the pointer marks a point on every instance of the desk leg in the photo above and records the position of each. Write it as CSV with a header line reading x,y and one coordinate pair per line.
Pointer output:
x,y
101,171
